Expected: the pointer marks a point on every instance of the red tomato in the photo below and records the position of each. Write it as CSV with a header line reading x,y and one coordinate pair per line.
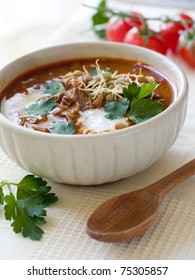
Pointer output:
x,y
186,47
170,30
147,39
116,28
139,21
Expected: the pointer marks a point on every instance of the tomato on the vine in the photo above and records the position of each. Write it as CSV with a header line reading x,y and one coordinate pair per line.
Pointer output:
x,y
170,30
116,27
145,38
186,47
134,28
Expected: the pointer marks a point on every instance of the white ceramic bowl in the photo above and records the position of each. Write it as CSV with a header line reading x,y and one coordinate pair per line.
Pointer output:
x,y
94,159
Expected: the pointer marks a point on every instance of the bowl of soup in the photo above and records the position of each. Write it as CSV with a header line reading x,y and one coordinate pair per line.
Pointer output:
x,y
90,113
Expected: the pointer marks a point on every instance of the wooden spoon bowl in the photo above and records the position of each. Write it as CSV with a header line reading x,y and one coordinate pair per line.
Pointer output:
x,y
129,215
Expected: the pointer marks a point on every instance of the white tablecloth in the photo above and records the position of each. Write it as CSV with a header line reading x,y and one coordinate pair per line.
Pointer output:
x,y
171,236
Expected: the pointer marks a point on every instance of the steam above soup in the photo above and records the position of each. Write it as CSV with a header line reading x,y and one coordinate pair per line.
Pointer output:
x,y
86,96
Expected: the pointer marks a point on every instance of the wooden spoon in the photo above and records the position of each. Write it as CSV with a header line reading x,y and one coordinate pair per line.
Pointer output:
x,y
129,215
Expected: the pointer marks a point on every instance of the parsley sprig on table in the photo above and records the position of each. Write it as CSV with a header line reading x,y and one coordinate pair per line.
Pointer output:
x,y
26,205
134,105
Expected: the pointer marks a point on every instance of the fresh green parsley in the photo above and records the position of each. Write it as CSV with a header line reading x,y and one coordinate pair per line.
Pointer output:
x,y
116,109
135,106
132,91
25,207
43,107
144,109
53,88
62,128
147,89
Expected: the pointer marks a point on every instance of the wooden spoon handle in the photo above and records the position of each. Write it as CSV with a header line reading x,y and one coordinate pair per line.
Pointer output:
x,y
167,183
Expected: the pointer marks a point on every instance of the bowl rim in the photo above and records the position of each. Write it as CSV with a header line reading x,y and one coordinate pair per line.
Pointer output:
x,y
183,91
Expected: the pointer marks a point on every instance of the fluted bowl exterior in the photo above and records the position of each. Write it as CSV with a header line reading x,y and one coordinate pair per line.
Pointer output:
x,y
95,158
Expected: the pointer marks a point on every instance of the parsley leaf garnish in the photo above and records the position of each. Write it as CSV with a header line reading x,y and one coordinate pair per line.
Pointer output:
x,y
62,128
131,91
135,106
26,208
116,109
144,109
53,87
43,107
147,89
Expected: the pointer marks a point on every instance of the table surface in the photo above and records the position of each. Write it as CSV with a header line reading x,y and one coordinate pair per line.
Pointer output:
x,y
171,236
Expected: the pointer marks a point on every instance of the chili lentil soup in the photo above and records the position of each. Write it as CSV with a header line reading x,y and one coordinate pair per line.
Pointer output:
x,y
85,96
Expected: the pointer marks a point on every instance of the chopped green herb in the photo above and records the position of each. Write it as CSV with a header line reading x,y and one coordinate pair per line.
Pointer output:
x,y
116,109
132,91
147,89
144,109
26,208
43,107
62,128
53,87
134,106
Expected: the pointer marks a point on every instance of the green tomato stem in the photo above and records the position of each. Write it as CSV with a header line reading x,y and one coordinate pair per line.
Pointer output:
x,y
124,15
